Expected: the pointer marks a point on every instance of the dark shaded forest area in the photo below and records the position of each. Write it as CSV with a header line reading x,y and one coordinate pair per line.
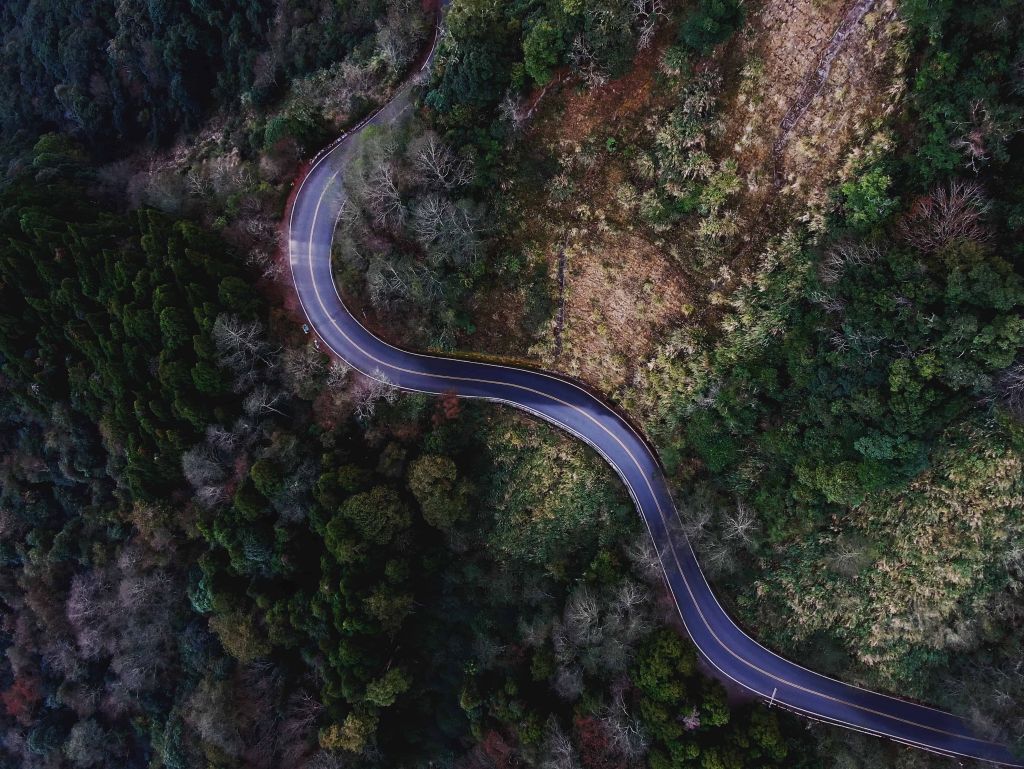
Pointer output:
x,y
222,549
109,71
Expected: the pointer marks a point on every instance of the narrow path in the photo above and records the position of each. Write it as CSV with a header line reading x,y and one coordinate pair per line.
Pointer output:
x,y
567,404
560,318
815,81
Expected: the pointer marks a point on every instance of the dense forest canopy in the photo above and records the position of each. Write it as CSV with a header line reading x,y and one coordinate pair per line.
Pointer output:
x,y
106,71
221,548
112,314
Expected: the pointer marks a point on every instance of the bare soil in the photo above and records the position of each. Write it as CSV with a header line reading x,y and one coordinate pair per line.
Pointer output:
x,y
624,288
800,104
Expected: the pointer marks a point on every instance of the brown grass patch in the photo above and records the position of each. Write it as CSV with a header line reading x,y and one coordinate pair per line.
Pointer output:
x,y
628,284
621,289
601,110
777,54
621,292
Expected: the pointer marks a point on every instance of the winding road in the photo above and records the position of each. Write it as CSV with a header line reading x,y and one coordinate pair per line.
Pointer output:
x,y
735,656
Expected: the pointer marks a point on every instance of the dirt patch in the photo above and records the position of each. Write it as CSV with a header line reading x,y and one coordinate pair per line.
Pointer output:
x,y
807,88
609,290
621,292
605,108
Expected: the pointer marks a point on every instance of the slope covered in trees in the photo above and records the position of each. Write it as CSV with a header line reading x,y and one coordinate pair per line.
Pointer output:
x,y
145,70
223,551
112,315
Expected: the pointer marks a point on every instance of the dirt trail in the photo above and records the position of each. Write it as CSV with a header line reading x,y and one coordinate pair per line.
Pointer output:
x,y
560,319
815,81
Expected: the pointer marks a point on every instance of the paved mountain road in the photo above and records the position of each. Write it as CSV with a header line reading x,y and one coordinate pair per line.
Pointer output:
x,y
730,651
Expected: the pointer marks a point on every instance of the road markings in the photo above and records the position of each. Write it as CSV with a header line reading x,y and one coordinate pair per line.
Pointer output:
x,y
654,496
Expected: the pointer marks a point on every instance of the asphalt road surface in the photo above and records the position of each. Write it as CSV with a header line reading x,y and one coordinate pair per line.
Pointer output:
x,y
729,650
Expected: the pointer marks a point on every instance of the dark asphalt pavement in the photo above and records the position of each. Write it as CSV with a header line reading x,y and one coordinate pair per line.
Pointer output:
x,y
729,650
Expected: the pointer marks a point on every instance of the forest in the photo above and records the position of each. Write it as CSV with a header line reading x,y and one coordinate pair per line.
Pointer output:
x,y
223,548
322,568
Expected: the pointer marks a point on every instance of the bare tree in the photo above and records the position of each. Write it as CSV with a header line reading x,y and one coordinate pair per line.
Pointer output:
x,y
202,466
303,367
630,596
198,183
137,592
208,705
1011,388
374,389
582,616
430,218
558,750
298,728
388,280
972,142
646,14
241,347
695,519
741,524
211,496
436,162
447,230
511,111
624,732
585,63
848,557
718,557
568,682
89,609
845,253
221,439
946,214
229,174
384,197
266,264
338,374
392,49
644,557
534,633
323,759
262,400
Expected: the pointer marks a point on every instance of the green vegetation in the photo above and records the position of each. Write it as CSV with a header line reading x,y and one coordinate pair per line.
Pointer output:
x,y
222,549
135,70
860,378
89,298
494,53
886,345
710,23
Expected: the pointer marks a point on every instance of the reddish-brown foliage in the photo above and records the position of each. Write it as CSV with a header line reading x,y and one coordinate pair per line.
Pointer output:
x,y
496,750
944,215
447,409
595,747
21,699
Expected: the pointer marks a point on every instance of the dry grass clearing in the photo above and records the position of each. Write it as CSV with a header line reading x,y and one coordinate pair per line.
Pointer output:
x,y
621,287
777,56
621,292
628,283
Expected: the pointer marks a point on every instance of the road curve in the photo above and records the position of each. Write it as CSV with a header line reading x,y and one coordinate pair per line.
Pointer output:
x,y
731,652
